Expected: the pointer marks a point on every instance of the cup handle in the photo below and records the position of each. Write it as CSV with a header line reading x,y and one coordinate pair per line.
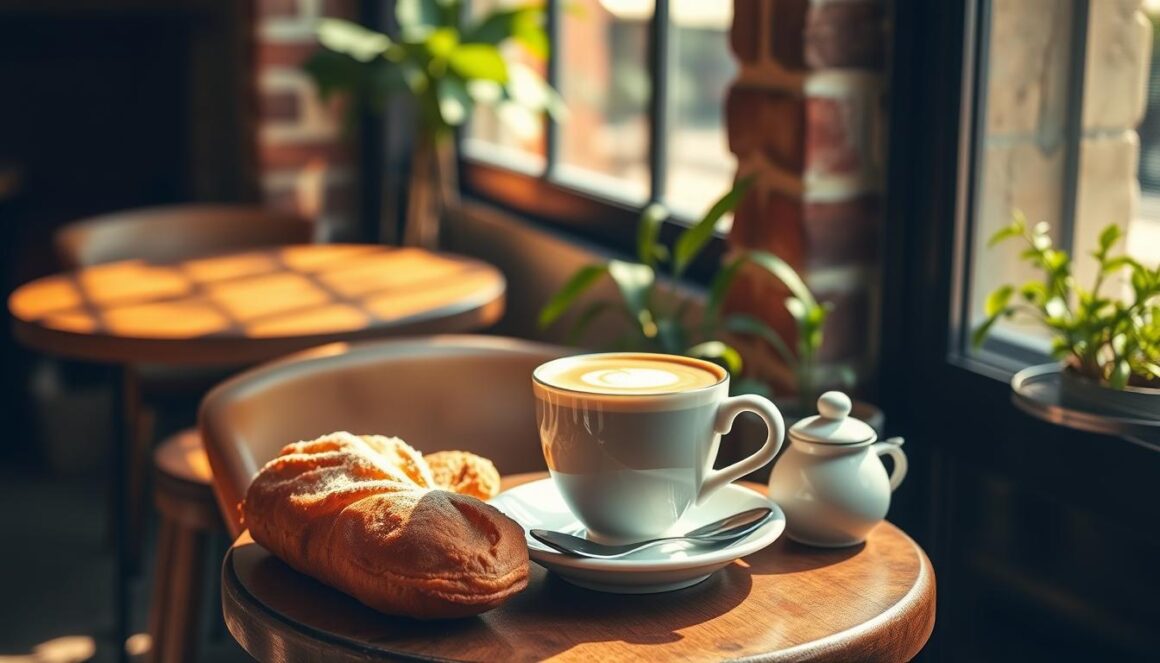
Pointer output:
x,y
727,411
893,448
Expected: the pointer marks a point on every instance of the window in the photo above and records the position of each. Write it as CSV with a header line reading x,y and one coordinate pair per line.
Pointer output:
x,y
1066,128
644,84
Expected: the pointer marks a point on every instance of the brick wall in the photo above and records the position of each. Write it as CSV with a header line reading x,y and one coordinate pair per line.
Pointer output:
x,y
305,159
805,116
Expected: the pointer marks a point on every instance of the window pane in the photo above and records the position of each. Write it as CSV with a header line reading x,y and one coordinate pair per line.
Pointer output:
x,y
604,80
1023,149
508,135
1144,234
1077,164
700,165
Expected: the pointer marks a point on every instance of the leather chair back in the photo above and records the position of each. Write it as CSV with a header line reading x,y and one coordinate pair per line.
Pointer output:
x,y
177,232
470,393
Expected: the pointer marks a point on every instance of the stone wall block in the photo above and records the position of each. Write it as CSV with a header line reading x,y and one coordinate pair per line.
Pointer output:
x,y
845,35
1027,76
1020,176
1108,193
1119,54
843,136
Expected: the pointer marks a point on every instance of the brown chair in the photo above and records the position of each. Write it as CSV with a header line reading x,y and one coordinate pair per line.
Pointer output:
x,y
472,393
182,492
177,232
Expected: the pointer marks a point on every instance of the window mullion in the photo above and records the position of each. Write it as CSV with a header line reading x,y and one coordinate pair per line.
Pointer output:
x,y
1073,129
658,106
552,144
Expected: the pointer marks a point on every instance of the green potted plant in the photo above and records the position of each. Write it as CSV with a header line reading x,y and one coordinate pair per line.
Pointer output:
x,y
1109,345
657,316
447,63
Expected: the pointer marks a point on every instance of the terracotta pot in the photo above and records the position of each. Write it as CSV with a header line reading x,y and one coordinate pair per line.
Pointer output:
x,y
748,432
1081,393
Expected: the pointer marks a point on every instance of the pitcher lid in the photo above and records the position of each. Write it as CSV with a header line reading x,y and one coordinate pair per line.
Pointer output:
x,y
833,423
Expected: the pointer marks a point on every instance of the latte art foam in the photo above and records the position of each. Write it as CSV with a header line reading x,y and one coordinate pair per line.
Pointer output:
x,y
627,374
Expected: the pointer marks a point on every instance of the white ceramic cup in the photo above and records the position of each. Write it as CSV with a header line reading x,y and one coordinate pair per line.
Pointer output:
x,y
630,465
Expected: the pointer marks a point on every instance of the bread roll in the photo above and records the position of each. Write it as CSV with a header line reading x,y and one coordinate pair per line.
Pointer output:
x,y
340,509
464,473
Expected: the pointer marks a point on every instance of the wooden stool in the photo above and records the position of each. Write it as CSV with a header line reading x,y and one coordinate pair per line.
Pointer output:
x,y
183,494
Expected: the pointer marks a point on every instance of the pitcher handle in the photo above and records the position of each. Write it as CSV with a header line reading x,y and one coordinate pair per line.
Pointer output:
x,y
893,447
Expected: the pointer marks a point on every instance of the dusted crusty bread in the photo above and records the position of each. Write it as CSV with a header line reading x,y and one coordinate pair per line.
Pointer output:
x,y
340,509
464,473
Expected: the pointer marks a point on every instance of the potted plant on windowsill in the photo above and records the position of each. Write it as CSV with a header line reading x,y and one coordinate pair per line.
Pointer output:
x,y
1109,346
447,64
659,317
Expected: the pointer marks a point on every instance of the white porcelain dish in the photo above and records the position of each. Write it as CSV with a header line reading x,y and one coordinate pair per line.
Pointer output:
x,y
665,568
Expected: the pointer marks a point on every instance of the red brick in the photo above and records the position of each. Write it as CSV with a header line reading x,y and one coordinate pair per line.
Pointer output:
x,y
845,34
787,32
745,33
283,54
283,155
839,233
771,222
833,140
279,106
772,122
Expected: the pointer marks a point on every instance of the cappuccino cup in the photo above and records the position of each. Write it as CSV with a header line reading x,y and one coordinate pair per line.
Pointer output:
x,y
630,439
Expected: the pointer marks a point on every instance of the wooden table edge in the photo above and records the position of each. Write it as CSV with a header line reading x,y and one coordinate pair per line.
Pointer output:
x,y
918,605
480,313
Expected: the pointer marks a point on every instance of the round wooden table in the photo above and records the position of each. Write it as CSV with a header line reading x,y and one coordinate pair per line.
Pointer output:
x,y
238,309
789,602
247,307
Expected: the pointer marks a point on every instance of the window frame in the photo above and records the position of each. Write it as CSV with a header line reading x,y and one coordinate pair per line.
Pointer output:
x,y
553,204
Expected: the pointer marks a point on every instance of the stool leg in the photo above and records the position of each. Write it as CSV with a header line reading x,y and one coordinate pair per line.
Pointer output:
x,y
139,420
178,618
160,598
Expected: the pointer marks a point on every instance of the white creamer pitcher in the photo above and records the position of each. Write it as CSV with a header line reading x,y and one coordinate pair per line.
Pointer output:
x,y
831,482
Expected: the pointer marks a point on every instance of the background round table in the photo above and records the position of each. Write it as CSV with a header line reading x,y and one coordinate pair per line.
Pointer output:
x,y
239,309
789,602
247,307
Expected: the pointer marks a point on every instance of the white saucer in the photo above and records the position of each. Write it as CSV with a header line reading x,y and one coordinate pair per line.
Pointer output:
x,y
538,505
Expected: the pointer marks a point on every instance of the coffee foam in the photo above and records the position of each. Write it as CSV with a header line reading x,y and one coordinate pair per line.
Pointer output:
x,y
627,374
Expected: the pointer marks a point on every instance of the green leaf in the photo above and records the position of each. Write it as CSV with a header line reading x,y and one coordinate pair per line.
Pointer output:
x,y
1013,230
997,300
671,335
581,281
417,18
1119,262
647,232
740,323
980,333
479,61
635,282
1121,371
1110,235
441,42
587,316
784,273
693,240
352,39
454,102
334,72
722,280
524,24
718,352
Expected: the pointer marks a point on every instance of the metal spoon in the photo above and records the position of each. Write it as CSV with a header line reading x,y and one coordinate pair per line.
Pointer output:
x,y
727,529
